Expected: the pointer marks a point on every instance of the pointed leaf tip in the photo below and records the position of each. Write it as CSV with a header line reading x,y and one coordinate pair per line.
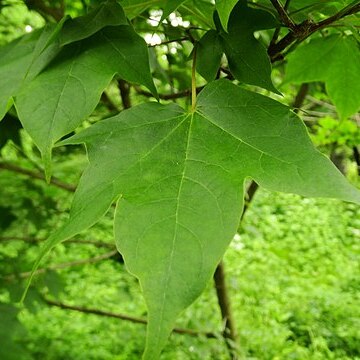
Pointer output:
x,y
224,9
47,161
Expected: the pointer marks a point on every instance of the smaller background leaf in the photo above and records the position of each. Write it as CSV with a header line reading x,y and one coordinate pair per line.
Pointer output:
x,y
224,8
170,6
46,105
209,53
247,57
334,60
9,130
108,13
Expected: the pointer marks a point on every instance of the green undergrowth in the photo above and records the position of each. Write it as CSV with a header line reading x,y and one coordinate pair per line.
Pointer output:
x,y
292,272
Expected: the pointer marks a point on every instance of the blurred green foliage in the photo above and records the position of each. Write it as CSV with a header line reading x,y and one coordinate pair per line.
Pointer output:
x,y
15,19
331,131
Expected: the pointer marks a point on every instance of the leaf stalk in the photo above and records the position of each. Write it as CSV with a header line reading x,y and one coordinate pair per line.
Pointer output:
x,y
193,80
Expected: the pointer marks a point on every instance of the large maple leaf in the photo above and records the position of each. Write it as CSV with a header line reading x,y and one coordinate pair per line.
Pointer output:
x,y
179,180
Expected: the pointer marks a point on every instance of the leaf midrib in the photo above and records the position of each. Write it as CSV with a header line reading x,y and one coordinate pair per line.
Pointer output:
x,y
50,139
177,223
156,145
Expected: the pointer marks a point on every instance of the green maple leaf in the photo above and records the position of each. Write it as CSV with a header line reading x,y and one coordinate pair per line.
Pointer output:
x,y
23,59
27,56
108,13
79,74
224,8
334,60
71,63
200,10
135,7
179,180
209,54
14,62
247,57
170,6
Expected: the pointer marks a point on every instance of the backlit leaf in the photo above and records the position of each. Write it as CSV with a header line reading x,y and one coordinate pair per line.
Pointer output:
x,y
108,13
15,59
23,59
170,6
199,10
133,8
68,90
334,60
224,8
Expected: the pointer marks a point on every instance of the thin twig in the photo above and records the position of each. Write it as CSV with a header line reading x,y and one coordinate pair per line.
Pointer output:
x,y
230,334
309,120
23,155
92,260
300,97
108,102
33,240
307,28
174,96
319,114
20,238
124,88
304,30
170,41
98,244
284,17
346,11
356,155
250,193
37,175
43,9
321,102
133,319
278,29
